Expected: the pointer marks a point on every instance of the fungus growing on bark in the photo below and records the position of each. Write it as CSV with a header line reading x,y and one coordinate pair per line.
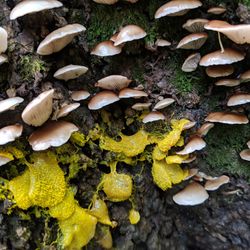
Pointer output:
x,y
214,184
131,93
65,110
80,95
113,82
153,116
193,41
219,70
194,144
204,129
227,118
10,103
238,99
191,63
228,82
10,133
195,25
218,10
3,40
162,43
70,72
141,106
164,103
106,48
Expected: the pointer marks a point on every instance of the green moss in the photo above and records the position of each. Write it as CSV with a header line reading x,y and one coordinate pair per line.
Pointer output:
x,y
245,2
224,143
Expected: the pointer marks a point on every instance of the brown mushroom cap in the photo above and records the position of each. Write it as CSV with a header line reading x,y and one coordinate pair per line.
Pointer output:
x,y
39,109
31,6
70,72
216,10
193,41
131,93
194,144
164,103
113,82
3,40
190,159
229,56
106,1
102,99
237,33
60,38
245,154
80,95
10,103
191,63
219,70
248,144
191,172
162,43
129,33
204,129
245,77
195,25
228,82
214,184
192,194
10,133
65,110
177,8
3,59
53,134
227,118
189,125
238,99
141,106
106,48
153,116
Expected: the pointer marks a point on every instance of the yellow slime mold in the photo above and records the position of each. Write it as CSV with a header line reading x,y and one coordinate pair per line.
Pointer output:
x,y
176,159
134,216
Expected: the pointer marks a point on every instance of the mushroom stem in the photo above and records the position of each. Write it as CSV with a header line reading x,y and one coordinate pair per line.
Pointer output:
x,y
220,42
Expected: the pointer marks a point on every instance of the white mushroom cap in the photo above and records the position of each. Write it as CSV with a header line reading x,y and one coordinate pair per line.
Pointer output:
x,y
10,103
204,129
248,144
60,38
113,82
193,41
238,99
106,1
3,40
53,134
70,72
217,10
191,63
195,25
31,6
39,110
106,48
162,43
80,95
227,118
164,103
228,82
193,194
4,160
194,144
141,106
3,59
129,33
65,110
245,154
189,125
191,172
153,116
212,185
10,133
102,99
131,93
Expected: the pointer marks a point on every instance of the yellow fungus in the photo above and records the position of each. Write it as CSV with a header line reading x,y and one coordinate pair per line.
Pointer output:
x,y
78,229
134,216
158,154
106,240
180,142
6,155
176,159
78,138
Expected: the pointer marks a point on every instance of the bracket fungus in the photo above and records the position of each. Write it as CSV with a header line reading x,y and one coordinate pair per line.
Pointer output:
x,y
193,41
30,6
191,63
164,103
60,38
80,95
131,93
195,25
194,144
70,72
139,106
106,48
3,40
10,133
227,118
66,109
10,103
214,184
153,116
238,99
228,82
245,154
219,70
217,10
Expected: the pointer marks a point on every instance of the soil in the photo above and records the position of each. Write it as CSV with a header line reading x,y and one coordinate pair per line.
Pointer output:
x,y
223,221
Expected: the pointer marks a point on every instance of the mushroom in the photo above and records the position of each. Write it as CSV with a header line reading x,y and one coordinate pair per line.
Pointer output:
x,y
219,70
10,103
131,93
191,172
162,43
102,99
191,63
192,194
30,6
153,116
245,154
245,77
193,41
65,110
39,109
227,118
228,82
3,59
80,95
106,1
106,48
53,134
113,82
238,99
204,129
177,8
3,40
141,106
195,25
60,38
70,72
164,103
217,57
194,144
5,159
10,133
217,10
189,125
129,33
214,184
248,144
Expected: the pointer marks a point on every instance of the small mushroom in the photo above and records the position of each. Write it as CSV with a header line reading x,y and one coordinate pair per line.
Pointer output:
x,y
65,110
219,70
30,6
228,82
248,144
3,59
113,82
141,106
193,41
10,133
189,125
245,77
70,72
238,99
3,40
194,144
39,109
164,103
106,1
80,95
162,43
129,33
153,116
204,129
192,194
245,154
191,63
60,38
102,99
218,10
191,173
106,48
195,25
4,159
227,118
53,134
190,159
177,8
214,184
131,93
10,103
